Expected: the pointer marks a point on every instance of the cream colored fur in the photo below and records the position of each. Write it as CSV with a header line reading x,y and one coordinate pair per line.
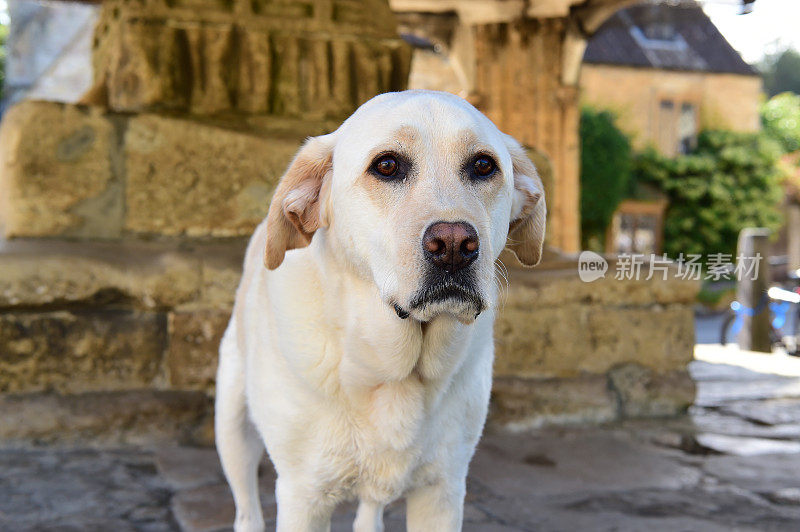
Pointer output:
x,y
350,400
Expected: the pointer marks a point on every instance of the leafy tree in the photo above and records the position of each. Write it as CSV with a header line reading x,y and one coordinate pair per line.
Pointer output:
x,y
729,182
605,173
781,119
781,72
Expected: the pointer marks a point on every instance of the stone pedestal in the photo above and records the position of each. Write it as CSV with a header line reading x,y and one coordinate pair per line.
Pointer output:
x,y
129,213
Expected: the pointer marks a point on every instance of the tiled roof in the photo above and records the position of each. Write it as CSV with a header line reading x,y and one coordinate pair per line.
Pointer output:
x,y
671,37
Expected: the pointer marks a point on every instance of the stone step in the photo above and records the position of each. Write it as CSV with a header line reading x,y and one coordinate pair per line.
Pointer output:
x,y
136,417
79,317
111,342
53,273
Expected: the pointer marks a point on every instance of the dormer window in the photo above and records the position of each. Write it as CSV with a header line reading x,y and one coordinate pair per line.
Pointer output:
x,y
659,32
658,36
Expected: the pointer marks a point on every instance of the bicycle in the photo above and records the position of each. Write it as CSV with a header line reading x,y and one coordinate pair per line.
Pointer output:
x,y
780,303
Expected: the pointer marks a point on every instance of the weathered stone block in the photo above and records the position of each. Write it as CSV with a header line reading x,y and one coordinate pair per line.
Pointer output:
x,y
143,417
204,508
188,467
148,69
80,351
528,403
564,341
34,273
194,339
186,177
57,172
220,275
558,284
645,393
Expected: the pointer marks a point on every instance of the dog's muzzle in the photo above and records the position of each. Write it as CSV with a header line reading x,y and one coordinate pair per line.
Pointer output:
x,y
449,284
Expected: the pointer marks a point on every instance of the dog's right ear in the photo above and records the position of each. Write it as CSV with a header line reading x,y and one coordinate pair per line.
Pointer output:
x,y
529,211
297,208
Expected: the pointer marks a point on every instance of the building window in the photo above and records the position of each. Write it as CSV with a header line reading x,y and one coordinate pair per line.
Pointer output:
x,y
662,31
676,127
665,132
636,227
687,128
659,37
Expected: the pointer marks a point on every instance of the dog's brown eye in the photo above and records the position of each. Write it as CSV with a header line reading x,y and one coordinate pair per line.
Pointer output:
x,y
484,166
386,165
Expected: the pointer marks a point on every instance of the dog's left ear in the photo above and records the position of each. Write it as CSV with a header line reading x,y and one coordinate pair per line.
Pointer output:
x,y
528,210
298,206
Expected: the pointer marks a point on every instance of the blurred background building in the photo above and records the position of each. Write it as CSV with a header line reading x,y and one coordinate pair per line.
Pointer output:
x,y
667,73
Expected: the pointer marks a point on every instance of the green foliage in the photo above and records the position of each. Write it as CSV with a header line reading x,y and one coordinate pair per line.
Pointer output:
x,y
605,173
729,182
781,72
781,119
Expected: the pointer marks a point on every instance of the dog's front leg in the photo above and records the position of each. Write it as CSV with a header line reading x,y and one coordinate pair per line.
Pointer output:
x,y
438,506
369,517
301,509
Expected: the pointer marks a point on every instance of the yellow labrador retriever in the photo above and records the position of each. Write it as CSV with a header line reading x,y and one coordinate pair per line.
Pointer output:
x,y
360,347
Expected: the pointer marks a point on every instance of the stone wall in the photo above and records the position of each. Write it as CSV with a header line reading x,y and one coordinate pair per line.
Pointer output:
x,y
569,351
117,342
112,342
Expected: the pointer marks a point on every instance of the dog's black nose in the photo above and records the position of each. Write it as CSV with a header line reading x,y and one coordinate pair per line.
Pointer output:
x,y
451,246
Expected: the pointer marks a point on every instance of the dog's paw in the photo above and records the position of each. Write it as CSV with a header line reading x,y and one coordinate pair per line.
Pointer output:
x,y
248,524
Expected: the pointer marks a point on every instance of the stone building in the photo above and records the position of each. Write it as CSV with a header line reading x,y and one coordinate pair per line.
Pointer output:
x,y
667,72
125,216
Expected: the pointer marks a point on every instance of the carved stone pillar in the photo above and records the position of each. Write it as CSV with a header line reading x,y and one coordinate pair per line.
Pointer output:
x,y
518,84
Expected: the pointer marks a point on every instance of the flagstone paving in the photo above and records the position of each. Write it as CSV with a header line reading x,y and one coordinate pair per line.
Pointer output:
x,y
733,463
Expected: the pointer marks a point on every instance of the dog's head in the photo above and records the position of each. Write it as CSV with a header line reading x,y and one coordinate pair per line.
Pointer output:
x,y
418,192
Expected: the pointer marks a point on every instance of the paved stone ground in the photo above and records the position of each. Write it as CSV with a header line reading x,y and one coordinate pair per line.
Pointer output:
x,y
732,464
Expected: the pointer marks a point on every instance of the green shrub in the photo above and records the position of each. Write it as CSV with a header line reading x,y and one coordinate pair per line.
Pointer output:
x,y
729,182
605,173
781,119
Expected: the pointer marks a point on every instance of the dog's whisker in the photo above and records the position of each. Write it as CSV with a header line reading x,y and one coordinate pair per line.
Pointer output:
x,y
502,282
501,269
